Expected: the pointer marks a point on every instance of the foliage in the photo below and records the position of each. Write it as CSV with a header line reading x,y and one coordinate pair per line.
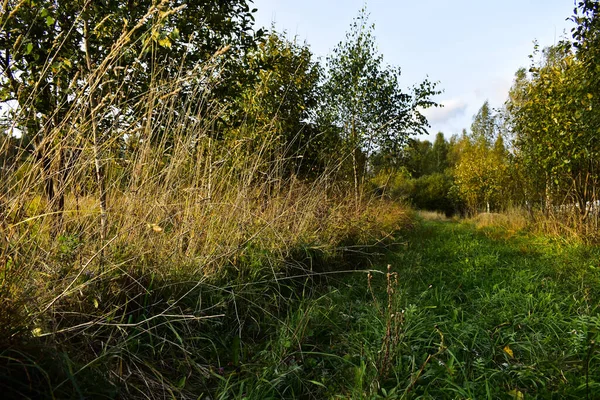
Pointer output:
x,y
167,193
75,72
432,192
363,99
283,100
507,318
396,183
49,49
482,170
419,158
553,114
553,118
484,127
422,176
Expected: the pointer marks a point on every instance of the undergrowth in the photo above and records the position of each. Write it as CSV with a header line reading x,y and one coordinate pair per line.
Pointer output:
x,y
147,324
439,309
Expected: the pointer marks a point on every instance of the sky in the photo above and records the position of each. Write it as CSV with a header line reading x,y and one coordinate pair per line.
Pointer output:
x,y
471,47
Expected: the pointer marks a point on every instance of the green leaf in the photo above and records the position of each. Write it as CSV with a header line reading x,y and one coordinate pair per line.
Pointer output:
x,y
318,384
181,383
28,48
50,20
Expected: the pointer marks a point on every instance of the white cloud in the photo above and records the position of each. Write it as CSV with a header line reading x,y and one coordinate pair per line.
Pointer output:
x,y
452,108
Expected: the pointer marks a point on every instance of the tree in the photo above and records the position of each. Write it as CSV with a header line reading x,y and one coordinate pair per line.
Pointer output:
x,y
431,192
280,104
46,44
440,152
483,127
75,67
554,117
364,101
419,158
481,172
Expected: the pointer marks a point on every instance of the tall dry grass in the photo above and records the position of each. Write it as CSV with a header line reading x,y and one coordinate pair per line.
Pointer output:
x,y
153,221
566,224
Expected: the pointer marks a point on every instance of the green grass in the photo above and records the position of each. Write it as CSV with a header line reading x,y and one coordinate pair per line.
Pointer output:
x,y
462,313
474,314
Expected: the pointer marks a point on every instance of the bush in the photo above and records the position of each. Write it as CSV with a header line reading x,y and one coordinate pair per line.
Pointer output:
x,y
431,192
396,185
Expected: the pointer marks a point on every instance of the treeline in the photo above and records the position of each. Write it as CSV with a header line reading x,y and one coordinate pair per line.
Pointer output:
x,y
465,174
109,79
539,152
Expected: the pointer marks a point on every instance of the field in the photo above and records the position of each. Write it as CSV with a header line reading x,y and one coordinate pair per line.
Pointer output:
x,y
445,310
195,206
462,313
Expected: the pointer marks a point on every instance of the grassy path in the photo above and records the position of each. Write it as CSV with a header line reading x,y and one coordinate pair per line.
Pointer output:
x,y
463,313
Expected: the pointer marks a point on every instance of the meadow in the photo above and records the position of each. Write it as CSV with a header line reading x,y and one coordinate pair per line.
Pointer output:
x,y
194,207
440,309
450,311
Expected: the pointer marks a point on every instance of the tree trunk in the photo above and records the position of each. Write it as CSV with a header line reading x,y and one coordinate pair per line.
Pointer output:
x,y
355,169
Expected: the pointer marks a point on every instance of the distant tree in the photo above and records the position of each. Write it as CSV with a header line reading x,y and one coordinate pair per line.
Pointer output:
x,y
440,152
420,176
484,126
481,173
363,98
499,147
419,158
456,146
432,192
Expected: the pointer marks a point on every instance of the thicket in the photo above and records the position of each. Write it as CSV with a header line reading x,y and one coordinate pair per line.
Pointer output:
x,y
171,178
538,153
552,121
421,175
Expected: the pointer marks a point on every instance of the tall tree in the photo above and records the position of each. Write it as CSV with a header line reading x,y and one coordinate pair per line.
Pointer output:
x,y
79,65
555,120
440,152
281,102
483,127
481,170
363,98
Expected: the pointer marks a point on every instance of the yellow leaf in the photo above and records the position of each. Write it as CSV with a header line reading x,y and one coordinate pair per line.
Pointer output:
x,y
516,394
165,42
96,303
509,351
590,96
155,227
36,332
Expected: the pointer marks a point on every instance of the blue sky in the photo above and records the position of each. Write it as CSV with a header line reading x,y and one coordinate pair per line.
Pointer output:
x,y
472,47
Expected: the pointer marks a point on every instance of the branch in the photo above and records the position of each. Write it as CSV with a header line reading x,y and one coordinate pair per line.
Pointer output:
x,y
5,64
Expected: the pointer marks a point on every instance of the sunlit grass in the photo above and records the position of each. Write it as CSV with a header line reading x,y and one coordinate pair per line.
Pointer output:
x,y
470,316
